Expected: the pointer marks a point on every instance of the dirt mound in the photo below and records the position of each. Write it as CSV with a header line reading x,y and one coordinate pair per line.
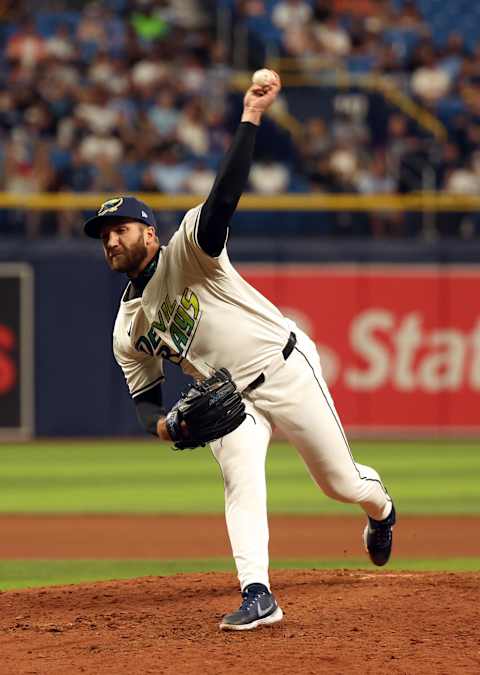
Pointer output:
x,y
339,622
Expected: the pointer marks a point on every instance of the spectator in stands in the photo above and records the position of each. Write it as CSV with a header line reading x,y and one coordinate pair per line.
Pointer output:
x,y
60,45
299,41
164,114
320,175
100,146
291,14
376,178
388,61
91,33
251,8
10,116
77,175
331,37
193,74
343,164
218,137
167,171
26,169
269,177
200,180
462,180
102,72
314,144
429,81
149,73
191,130
398,139
322,11
107,177
94,112
152,21
218,76
350,129
453,56
26,46
409,17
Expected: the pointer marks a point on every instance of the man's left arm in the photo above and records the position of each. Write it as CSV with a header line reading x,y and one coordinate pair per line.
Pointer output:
x,y
232,177
150,410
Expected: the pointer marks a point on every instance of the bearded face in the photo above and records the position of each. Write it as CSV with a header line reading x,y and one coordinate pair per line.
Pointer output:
x,y
125,248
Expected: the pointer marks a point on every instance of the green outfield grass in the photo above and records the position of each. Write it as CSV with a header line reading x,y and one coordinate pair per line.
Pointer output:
x,y
37,573
148,477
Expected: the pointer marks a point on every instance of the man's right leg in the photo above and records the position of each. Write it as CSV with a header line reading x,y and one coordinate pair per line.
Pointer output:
x,y
242,456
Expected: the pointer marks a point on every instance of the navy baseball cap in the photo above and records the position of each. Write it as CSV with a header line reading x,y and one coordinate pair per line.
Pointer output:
x,y
119,208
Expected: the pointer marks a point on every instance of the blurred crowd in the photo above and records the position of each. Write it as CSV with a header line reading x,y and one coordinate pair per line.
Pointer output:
x,y
433,63
111,97
135,95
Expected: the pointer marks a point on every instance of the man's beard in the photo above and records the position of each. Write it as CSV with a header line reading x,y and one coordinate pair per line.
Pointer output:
x,y
129,260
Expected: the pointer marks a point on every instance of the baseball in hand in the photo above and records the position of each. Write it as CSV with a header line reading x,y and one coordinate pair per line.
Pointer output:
x,y
263,77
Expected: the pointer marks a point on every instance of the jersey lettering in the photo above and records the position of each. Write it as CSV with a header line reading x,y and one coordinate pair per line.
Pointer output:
x,y
180,339
143,345
183,320
166,353
190,300
161,322
180,319
153,335
168,308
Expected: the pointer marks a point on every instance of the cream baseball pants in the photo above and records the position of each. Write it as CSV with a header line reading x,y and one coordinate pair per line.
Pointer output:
x,y
295,399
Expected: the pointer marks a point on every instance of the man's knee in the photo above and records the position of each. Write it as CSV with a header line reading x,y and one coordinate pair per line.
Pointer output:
x,y
347,490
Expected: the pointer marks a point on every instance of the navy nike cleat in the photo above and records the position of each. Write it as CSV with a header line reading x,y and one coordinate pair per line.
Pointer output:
x,y
377,538
259,608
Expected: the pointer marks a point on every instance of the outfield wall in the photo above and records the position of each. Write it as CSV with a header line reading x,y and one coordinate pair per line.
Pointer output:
x,y
400,342
400,345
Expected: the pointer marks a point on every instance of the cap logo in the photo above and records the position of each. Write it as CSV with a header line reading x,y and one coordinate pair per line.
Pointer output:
x,y
144,215
110,206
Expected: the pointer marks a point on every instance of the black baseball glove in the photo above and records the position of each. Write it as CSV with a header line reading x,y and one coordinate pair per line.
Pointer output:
x,y
206,411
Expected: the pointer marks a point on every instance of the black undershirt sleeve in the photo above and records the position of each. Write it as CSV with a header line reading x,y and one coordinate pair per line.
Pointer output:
x,y
229,184
149,408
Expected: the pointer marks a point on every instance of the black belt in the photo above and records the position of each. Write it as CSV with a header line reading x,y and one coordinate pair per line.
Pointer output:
x,y
286,351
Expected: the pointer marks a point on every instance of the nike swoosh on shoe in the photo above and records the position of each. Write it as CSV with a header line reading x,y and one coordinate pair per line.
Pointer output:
x,y
263,612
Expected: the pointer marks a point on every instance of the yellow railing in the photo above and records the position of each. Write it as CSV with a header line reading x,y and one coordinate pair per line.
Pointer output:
x,y
420,201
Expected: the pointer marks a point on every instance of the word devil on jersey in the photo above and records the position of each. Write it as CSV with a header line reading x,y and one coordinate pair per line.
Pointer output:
x,y
180,319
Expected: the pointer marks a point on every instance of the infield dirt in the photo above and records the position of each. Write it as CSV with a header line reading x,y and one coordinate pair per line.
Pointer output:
x,y
343,622
205,536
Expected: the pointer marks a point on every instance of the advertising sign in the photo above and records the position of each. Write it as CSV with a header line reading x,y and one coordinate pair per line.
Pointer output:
x,y
400,345
16,363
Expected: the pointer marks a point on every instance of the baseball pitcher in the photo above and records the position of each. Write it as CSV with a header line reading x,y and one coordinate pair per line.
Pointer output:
x,y
252,367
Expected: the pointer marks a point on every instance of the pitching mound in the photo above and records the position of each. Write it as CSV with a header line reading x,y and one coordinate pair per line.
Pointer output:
x,y
339,622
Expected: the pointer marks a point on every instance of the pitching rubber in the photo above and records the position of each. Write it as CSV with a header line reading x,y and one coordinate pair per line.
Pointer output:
x,y
276,617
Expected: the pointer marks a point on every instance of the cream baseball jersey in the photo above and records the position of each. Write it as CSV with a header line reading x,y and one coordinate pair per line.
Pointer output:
x,y
196,311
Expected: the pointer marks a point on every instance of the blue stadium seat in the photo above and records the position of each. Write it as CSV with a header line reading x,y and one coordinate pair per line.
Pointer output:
x,y
360,63
403,40
60,158
460,16
448,108
48,22
262,25
131,173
